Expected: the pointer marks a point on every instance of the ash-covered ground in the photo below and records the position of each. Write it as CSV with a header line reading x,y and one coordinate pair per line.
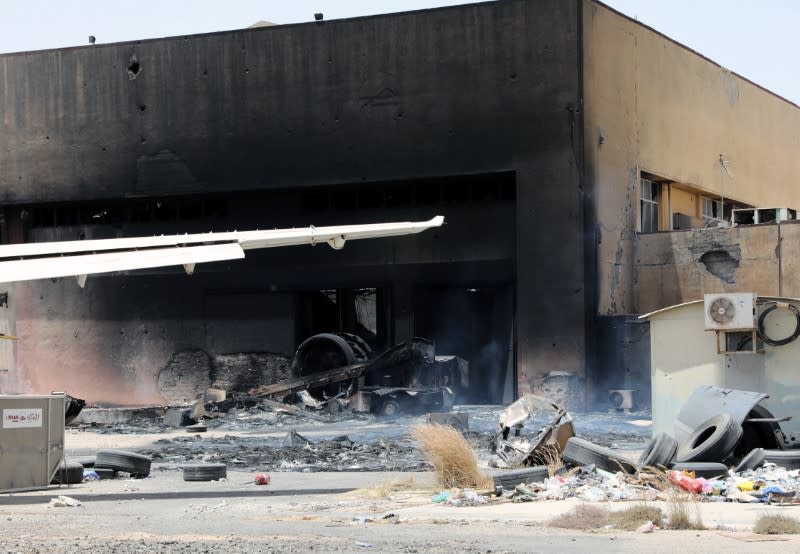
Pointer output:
x,y
257,438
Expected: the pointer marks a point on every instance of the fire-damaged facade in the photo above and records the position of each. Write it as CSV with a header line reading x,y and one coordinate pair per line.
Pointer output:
x,y
530,125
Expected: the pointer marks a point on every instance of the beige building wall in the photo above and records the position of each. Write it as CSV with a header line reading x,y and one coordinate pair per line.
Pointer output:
x,y
673,268
653,105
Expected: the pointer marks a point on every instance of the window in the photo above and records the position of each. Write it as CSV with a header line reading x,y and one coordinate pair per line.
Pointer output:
x,y
712,209
649,205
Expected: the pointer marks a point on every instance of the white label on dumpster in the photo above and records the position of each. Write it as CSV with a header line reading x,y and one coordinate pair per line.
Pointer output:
x,y
22,417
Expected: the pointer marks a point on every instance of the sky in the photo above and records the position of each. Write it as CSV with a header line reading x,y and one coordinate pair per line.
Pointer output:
x,y
757,39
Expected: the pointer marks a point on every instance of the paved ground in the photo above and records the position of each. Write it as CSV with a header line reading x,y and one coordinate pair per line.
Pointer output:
x,y
300,512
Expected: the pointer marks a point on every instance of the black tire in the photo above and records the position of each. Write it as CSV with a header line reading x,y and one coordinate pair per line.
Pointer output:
x,y
68,473
707,470
659,452
122,460
789,459
583,453
204,472
103,473
511,478
713,441
753,460
196,428
85,461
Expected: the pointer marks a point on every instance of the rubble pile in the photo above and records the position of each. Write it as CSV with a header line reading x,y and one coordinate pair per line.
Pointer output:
x,y
292,453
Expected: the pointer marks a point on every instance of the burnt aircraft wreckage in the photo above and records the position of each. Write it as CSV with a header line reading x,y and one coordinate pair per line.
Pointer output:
x,y
45,260
339,370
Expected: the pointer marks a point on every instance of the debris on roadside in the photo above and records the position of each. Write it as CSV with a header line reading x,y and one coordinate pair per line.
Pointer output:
x,y
261,479
518,442
204,472
64,502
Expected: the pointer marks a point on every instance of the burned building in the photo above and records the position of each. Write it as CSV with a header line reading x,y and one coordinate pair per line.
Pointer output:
x,y
531,125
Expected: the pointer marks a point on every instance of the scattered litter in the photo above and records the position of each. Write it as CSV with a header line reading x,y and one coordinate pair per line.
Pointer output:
x,y
648,527
363,544
440,498
90,475
64,501
262,479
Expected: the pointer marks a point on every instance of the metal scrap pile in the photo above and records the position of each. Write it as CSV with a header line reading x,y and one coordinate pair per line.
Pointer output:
x,y
338,371
515,446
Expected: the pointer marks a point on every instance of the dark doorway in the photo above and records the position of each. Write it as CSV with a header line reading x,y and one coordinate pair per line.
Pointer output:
x,y
360,311
475,323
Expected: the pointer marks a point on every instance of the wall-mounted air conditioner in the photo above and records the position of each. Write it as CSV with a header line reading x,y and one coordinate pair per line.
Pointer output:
x,y
620,399
735,311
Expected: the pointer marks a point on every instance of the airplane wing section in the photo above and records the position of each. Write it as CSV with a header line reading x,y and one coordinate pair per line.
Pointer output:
x,y
21,262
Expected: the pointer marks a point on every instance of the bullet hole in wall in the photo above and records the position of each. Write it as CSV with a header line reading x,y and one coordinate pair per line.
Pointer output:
x,y
134,67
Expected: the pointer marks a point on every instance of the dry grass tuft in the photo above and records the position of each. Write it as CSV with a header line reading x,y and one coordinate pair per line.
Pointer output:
x,y
385,490
548,455
683,514
634,516
776,524
582,517
656,477
451,456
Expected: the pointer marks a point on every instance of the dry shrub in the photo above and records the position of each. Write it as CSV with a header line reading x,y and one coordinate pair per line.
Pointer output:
x,y
450,455
634,516
680,513
776,524
582,517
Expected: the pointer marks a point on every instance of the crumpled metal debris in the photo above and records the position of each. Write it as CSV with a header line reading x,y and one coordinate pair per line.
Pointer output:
x,y
520,442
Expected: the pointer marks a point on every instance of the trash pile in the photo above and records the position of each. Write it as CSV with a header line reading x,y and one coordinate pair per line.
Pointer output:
x,y
769,484
729,448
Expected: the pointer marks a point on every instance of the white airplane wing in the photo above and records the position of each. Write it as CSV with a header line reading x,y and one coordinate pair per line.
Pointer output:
x,y
44,260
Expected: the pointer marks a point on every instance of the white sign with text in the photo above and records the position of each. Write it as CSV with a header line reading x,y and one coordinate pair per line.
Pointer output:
x,y
22,417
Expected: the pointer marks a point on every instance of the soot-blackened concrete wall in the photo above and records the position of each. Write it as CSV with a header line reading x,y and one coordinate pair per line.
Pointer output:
x,y
462,90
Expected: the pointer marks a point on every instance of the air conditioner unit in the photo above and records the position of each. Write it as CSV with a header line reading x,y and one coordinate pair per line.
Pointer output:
x,y
619,399
730,311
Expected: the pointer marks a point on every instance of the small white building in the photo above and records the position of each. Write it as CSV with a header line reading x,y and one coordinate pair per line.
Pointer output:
x,y
684,355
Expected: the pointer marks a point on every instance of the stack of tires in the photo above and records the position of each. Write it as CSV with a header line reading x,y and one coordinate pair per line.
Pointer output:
x,y
711,448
